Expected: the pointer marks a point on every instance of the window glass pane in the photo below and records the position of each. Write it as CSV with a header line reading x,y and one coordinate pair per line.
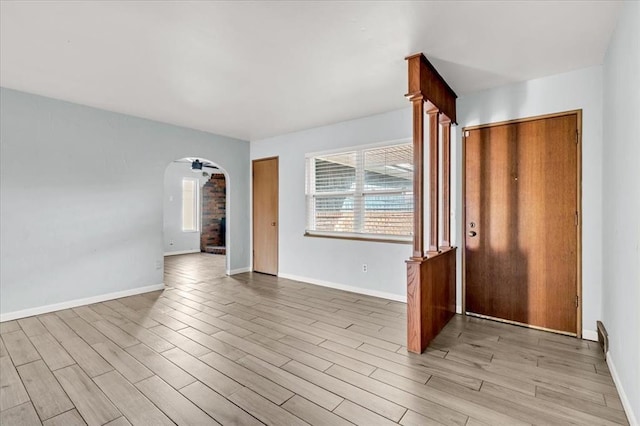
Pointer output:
x,y
335,173
388,168
334,214
189,205
389,214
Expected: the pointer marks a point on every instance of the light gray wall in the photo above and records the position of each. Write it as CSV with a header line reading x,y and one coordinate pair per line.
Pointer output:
x,y
621,205
81,199
581,89
176,240
324,260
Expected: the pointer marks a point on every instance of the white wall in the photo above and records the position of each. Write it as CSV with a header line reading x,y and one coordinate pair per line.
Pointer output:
x,y
581,89
621,207
87,219
324,260
340,261
175,240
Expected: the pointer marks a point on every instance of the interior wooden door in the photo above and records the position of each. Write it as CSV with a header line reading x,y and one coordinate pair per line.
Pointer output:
x,y
521,214
265,216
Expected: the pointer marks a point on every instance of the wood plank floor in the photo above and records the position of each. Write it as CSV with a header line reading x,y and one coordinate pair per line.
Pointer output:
x,y
253,349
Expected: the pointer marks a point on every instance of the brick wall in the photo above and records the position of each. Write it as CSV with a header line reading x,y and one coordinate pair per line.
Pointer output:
x,y
213,212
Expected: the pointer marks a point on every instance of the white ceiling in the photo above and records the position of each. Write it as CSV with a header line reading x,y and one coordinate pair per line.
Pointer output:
x,y
256,69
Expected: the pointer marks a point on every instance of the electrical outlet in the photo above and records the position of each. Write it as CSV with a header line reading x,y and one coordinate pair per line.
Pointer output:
x,y
158,264
364,267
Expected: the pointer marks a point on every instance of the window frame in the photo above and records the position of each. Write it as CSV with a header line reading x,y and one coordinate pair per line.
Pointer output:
x,y
196,205
359,208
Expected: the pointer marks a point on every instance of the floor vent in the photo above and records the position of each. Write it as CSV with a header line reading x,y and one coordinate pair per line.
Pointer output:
x,y
603,337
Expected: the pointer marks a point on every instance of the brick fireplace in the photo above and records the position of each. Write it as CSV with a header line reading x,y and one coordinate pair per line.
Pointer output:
x,y
212,237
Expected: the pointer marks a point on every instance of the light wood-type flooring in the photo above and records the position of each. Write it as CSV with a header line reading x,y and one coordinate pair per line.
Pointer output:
x,y
252,349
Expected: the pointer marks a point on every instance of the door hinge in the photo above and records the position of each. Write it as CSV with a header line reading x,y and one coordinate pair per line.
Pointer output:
x,y
577,136
466,134
577,301
576,219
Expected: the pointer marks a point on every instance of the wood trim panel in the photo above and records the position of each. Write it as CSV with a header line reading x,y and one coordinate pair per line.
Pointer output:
x,y
424,79
415,315
431,297
578,112
445,123
463,224
579,233
434,181
418,176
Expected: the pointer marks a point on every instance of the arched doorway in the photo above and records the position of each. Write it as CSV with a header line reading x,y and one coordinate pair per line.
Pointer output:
x,y
196,207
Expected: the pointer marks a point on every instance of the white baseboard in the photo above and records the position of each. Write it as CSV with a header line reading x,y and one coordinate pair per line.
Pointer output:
x,y
175,253
78,302
352,289
458,309
626,404
239,270
590,334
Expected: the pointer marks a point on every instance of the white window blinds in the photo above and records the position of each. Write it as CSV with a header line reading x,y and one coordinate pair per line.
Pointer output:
x,y
363,193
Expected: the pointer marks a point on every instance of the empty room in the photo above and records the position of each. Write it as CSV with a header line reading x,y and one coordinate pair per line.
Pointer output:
x,y
319,212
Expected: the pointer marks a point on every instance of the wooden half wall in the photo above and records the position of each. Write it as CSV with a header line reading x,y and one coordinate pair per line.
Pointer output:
x,y
431,297
431,282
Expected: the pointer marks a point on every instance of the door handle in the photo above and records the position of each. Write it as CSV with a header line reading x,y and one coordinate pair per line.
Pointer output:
x,y
273,224
472,234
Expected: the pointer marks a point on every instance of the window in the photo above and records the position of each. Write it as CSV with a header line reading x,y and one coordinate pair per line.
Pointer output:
x,y
190,204
363,193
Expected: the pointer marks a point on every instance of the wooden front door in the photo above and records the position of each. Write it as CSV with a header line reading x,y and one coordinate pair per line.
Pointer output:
x,y
265,216
521,221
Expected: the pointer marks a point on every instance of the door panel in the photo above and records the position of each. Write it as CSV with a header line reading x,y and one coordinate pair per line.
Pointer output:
x,y
265,216
521,200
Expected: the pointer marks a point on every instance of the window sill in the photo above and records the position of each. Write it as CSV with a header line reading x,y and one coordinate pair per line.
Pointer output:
x,y
354,237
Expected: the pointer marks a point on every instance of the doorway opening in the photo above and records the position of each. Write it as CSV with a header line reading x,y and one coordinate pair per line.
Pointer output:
x,y
196,215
